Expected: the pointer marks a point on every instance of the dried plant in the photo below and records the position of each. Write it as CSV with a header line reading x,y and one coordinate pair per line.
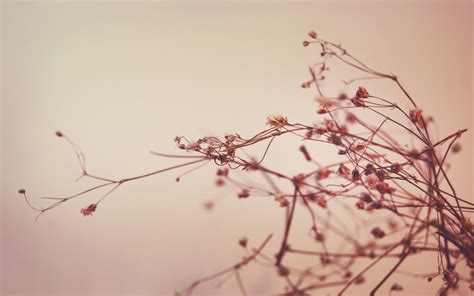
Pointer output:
x,y
393,189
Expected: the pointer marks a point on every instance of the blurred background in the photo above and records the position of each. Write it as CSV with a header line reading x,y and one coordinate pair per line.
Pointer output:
x,y
124,78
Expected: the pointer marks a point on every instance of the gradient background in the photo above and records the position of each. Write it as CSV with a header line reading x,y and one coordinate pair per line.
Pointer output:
x,y
125,78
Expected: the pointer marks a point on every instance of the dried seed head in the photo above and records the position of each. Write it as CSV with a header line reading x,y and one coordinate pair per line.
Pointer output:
x,y
305,43
59,134
21,191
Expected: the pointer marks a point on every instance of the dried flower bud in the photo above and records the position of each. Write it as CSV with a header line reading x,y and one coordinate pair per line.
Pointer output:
x,y
384,188
455,254
313,34
277,121
342,96
395,168
371,180
358,147
378,233
89,210
369,169
336,140
375,205
325,260
344,171
192,146
305,43
456,148
319,237
322,174
22,191
177,140
59,134
283,271
220,182
367,198
381,174
392,224
244,193
312,196
359,280
396,287
322,110
360,204
223,172
452,278
306,84
243,242
321,201
357,102
351,118
208,205
305,152
362,93
416,115
355,175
